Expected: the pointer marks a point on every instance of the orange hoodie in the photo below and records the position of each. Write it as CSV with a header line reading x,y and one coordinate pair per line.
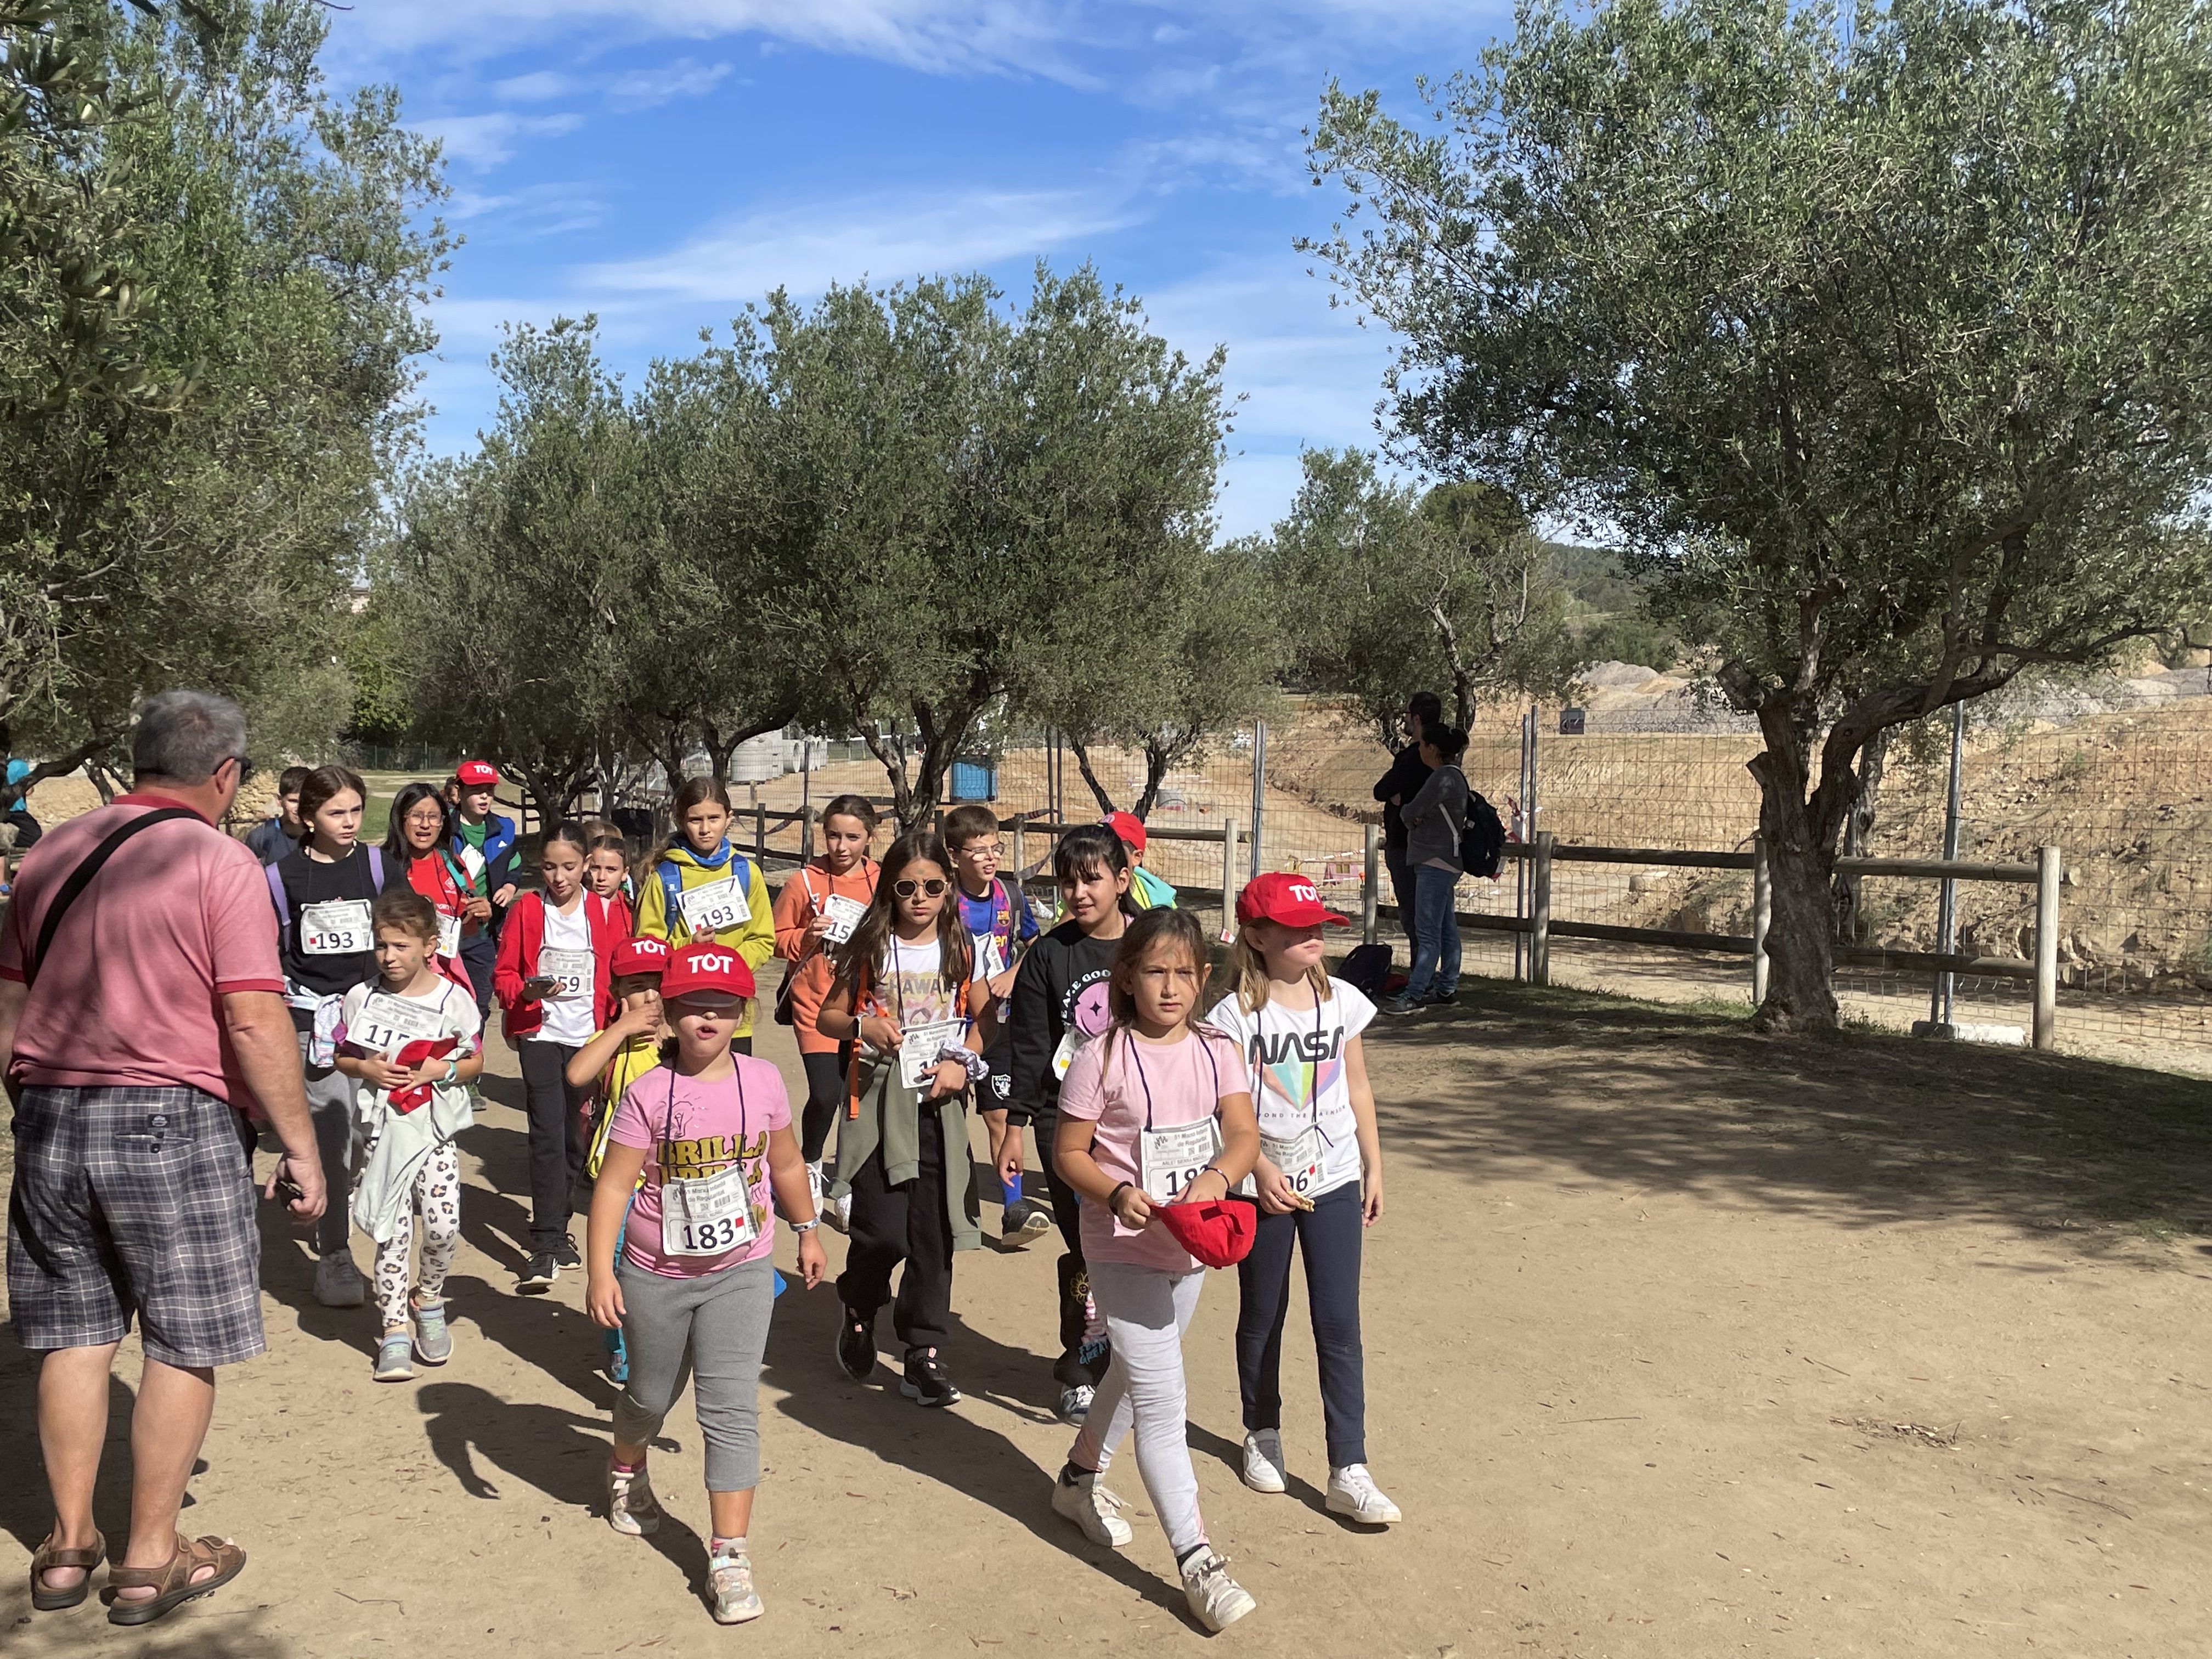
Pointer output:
x,y
796,906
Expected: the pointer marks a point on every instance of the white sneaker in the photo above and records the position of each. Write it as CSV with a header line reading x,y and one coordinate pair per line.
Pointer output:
x,y
1092,1506
736,1600
837,1213
632,1510
1263,1461
1353,1493
1217,1600
1075,1403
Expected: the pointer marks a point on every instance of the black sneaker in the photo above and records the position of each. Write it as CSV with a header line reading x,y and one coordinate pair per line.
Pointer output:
x,y
538,1273
856,1346
564,1253
926,1383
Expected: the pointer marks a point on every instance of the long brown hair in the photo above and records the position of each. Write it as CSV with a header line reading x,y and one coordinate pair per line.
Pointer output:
x,y
858,956
691,794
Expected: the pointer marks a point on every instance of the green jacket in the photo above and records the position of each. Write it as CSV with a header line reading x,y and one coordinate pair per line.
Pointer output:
x,y
890,1118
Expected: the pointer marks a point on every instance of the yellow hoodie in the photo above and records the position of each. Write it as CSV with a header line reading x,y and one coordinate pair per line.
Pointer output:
x,y
752,936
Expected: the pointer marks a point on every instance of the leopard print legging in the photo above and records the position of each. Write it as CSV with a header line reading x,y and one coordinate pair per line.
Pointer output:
x,y
438,1197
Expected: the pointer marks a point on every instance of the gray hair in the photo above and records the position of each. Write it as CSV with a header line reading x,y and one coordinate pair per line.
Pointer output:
x,y
184,736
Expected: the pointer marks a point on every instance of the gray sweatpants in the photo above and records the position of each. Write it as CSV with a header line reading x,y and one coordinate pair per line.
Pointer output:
x,y
329,1106
1147,1311
713,1328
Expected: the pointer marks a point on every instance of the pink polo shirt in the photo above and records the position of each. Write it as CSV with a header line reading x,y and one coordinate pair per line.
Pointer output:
x,y
130,994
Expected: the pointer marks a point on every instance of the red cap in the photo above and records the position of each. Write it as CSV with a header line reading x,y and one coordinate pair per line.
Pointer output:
x,y
1287,898
709,969
476,775
648,955
1219,1233
1129,827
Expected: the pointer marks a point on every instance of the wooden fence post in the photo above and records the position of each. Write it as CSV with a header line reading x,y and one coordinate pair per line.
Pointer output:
x,y
2047,873
1540,913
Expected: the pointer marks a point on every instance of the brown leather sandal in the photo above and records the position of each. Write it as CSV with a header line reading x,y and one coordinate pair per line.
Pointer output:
x,y
172,1582
50,1554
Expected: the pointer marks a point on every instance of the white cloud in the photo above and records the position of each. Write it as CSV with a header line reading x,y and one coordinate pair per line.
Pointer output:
x,y
684,78
539,87
885,240
485,141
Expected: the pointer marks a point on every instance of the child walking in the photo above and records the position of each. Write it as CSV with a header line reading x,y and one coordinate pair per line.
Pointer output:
x,y
416,860
902,997
606,873
620,1052
702,889
411,1042
997,915
710,1135
323,890
1156,1113
482,844
551,981
815,912
1060,1005
1319,1180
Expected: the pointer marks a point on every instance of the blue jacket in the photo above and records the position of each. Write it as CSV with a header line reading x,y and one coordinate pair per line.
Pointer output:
x,y
502,864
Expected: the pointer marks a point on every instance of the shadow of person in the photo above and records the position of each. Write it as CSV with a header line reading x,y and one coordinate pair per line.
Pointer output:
x,y
288,1273
958,1450
27,1510
545,1335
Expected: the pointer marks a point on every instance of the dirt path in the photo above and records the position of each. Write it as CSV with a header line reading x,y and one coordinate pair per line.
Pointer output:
x,y
1678,1343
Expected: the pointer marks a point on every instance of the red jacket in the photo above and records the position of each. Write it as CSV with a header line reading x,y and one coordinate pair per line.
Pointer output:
x,y
520,938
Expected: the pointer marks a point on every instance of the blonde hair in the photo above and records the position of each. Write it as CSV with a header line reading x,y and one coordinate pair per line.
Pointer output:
x,y
1248,973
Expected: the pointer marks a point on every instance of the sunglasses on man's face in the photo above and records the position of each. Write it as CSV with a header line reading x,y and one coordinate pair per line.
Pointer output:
x,y
245,769
909,889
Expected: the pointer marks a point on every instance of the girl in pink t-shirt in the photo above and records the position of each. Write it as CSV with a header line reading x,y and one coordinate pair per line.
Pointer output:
x,y
711,1134
1157,1111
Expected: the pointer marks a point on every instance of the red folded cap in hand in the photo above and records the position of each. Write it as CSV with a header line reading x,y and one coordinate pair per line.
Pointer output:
x,y
1216,1230
406,1100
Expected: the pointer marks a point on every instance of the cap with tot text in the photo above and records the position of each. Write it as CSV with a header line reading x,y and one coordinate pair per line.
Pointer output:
x,y
705,970
1130,828
647,955
476,775
1286,898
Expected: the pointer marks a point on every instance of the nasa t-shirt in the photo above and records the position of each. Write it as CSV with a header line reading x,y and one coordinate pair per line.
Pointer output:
x,y
1296,1057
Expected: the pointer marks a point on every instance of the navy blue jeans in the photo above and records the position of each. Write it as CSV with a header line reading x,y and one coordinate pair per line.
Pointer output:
x,y
1329,1234
1436,934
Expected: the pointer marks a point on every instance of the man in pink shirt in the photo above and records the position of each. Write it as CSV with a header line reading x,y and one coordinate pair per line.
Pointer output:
x,y
141,1017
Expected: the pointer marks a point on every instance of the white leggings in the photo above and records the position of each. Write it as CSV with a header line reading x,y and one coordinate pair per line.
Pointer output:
x,y
1146,1313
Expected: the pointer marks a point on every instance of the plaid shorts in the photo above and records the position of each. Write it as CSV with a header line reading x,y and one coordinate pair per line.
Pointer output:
x,y
134,1202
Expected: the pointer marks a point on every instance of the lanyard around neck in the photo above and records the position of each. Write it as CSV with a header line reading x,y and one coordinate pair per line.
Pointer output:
x,y
1137,1059
668,1120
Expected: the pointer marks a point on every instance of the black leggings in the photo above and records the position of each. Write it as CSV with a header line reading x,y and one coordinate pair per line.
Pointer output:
x,y
558,1138
825,1093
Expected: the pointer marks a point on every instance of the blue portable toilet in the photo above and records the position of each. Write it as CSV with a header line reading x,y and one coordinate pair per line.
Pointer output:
x,y
974,777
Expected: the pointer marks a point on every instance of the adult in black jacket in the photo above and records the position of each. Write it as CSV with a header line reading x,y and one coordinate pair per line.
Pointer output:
x,y
1398,786
1058,1004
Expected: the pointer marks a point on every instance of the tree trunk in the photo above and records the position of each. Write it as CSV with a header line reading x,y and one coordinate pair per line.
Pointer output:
x,y
1158,756
1858,834
1083,765
1800,961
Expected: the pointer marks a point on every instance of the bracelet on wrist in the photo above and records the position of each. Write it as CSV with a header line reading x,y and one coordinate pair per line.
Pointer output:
x,y
1114,1198
807,1225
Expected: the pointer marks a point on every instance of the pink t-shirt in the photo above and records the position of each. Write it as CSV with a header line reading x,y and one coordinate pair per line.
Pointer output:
x,y
694,1129
130,994
1162,1083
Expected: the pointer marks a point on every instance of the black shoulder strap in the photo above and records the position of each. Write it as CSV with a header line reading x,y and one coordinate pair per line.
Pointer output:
x,y
81,877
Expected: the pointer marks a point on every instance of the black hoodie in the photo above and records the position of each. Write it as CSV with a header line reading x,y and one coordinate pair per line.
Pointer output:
x,y
1062,982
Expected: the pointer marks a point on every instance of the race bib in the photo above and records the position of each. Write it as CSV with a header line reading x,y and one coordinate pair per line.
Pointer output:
x,y
707,1215
1299,1158
990,959
571,972
1071,1044
716,906
387,1023
449,935
337,927
918,1053
1169,1160
844,915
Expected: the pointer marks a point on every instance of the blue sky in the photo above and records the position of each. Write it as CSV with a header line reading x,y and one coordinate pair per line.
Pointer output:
x,y
662,162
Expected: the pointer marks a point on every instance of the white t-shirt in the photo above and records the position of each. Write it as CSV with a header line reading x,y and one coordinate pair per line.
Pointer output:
x,y
377,1021
1296,1059
568,1019
913,989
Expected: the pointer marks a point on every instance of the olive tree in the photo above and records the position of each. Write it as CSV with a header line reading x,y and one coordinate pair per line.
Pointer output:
x,y
1882,339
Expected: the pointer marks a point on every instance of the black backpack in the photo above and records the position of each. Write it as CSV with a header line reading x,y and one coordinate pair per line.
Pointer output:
x,y
1367,967
1482,839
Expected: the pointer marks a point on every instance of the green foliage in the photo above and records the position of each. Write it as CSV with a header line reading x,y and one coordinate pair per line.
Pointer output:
x,y
1400,592
210,270
1878,340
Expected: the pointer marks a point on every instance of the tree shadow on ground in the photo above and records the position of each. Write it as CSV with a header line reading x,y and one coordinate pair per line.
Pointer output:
x,y
956,1447
1861,1129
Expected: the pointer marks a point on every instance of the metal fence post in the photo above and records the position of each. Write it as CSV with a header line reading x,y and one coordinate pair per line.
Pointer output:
x,y
1370,884
1021,865
1259,787
1229,885
1540,913
1762,913
2047,870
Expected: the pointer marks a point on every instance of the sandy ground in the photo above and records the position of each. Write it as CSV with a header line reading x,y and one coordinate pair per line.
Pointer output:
x,y
1680,1342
